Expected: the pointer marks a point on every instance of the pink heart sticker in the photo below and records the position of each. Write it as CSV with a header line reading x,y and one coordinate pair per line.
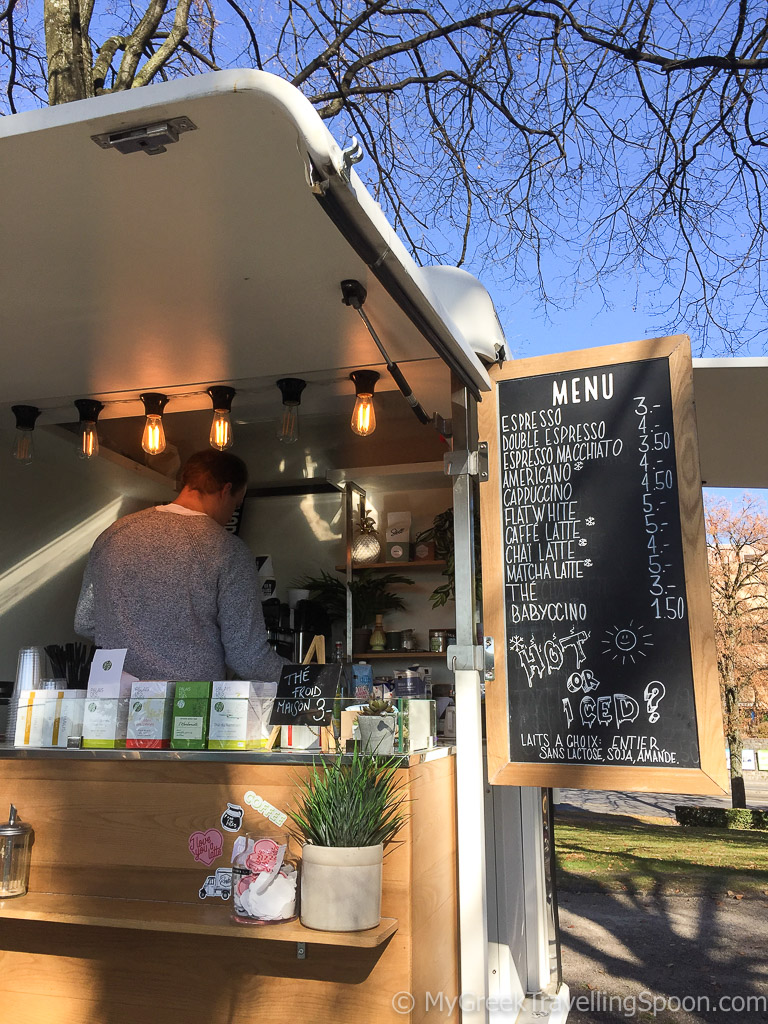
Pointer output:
x,y
263,857
206,846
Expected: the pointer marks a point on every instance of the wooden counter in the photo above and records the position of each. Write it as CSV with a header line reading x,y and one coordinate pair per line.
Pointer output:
x,y
113,929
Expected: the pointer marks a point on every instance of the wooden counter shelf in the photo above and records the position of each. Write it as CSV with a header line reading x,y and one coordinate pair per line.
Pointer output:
x,y
398,655
122,822
151,916
421,563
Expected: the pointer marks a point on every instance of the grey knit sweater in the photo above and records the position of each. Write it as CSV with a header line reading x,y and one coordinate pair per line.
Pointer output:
x,y
181,593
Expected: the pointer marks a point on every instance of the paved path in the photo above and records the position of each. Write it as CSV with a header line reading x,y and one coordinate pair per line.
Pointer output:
x,y
671,960
649,804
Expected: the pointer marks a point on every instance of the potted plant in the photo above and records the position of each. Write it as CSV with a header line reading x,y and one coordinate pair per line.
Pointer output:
x,y
441,533
348,811
377,725
370,592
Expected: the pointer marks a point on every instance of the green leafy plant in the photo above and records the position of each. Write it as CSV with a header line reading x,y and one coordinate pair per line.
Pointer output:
x,y
367,524
358,802
376,708
442,534
370,591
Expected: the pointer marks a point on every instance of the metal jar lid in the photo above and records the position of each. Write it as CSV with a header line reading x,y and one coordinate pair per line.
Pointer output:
x,y
15,827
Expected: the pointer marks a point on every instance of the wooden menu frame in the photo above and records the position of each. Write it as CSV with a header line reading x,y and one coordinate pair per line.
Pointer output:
x,y
711,777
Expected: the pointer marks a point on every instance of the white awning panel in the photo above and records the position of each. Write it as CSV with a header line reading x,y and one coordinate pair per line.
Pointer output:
x,y
732,418
213,261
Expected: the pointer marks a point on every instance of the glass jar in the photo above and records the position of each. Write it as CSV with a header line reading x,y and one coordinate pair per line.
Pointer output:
x,y
438,641
408,640
16,838
265,878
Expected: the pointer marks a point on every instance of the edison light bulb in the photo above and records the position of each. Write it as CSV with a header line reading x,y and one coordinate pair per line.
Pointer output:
x,y
291,389
23,446
288,424
153,438
221,430
89,409
23,449
89,441
364,416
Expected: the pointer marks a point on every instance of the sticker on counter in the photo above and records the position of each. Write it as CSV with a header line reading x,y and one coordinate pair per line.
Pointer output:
x,y
206,847
218,884
259,804
232,818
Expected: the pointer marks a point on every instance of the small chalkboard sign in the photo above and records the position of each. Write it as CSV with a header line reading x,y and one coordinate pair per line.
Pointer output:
x,y
595,575
305,694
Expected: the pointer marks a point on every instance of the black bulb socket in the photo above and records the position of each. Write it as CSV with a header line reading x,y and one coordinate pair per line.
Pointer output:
x,y
89,409
154,403
221,396
364,381
291,389
25,416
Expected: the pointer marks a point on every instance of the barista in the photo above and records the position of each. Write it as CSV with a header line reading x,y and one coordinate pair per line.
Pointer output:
x,y
176,589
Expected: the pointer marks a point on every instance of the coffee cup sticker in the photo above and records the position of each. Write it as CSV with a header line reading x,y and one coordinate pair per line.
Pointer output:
x,y
232,818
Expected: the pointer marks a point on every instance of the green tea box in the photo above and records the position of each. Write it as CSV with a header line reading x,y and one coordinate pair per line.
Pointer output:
x,y
105,717
149,716
191,710
240,712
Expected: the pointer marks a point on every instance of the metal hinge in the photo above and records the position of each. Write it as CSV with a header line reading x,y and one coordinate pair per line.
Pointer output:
x,y
353,154
464,659
146,138
301,951
473,659
489,659
468,463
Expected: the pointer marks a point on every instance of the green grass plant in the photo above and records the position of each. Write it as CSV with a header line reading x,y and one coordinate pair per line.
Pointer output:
x,y
615,853
350,802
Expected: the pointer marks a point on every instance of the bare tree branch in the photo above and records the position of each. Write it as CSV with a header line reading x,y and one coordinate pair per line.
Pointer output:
x,y
570,142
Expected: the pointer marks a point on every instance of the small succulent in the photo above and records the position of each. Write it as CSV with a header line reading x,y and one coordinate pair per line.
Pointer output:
x,y
377,708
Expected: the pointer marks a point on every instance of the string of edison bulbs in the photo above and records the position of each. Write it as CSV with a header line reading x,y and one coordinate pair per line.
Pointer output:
x,y
221,436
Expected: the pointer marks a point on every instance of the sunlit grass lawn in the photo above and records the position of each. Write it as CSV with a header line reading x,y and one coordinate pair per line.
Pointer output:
x,y
620,854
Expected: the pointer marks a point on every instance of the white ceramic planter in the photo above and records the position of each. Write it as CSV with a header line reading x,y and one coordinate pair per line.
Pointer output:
x,y
377,733
341,887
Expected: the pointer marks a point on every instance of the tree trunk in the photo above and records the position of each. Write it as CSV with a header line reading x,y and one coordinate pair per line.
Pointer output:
x,y
736,745
68,65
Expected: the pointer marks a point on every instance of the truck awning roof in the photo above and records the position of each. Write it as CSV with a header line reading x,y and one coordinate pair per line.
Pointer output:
x,y
732,420
218,260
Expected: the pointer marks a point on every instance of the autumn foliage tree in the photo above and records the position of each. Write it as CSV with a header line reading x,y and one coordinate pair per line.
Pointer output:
x,y
567,142
737,541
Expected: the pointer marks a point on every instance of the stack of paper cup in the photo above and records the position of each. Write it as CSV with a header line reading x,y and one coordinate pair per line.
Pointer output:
x,y
28,670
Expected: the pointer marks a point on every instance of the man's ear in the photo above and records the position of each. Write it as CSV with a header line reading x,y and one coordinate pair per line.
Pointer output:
x,y
226,490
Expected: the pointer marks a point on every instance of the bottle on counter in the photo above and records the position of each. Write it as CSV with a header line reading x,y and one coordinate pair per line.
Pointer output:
x,y
427,679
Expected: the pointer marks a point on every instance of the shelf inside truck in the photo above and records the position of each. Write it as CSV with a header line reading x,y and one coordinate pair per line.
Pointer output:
x,y
148,915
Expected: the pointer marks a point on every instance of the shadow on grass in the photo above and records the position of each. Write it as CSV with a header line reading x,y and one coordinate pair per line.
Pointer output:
x,y
643,939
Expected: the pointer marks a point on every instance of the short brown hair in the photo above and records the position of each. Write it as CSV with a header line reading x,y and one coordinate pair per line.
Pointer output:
x,y
209,471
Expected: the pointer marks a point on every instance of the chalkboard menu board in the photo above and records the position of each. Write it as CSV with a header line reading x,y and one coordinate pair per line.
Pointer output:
x,y
591,572
305,694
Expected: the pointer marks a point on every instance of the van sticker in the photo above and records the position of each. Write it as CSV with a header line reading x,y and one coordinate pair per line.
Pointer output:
x,y
218,884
